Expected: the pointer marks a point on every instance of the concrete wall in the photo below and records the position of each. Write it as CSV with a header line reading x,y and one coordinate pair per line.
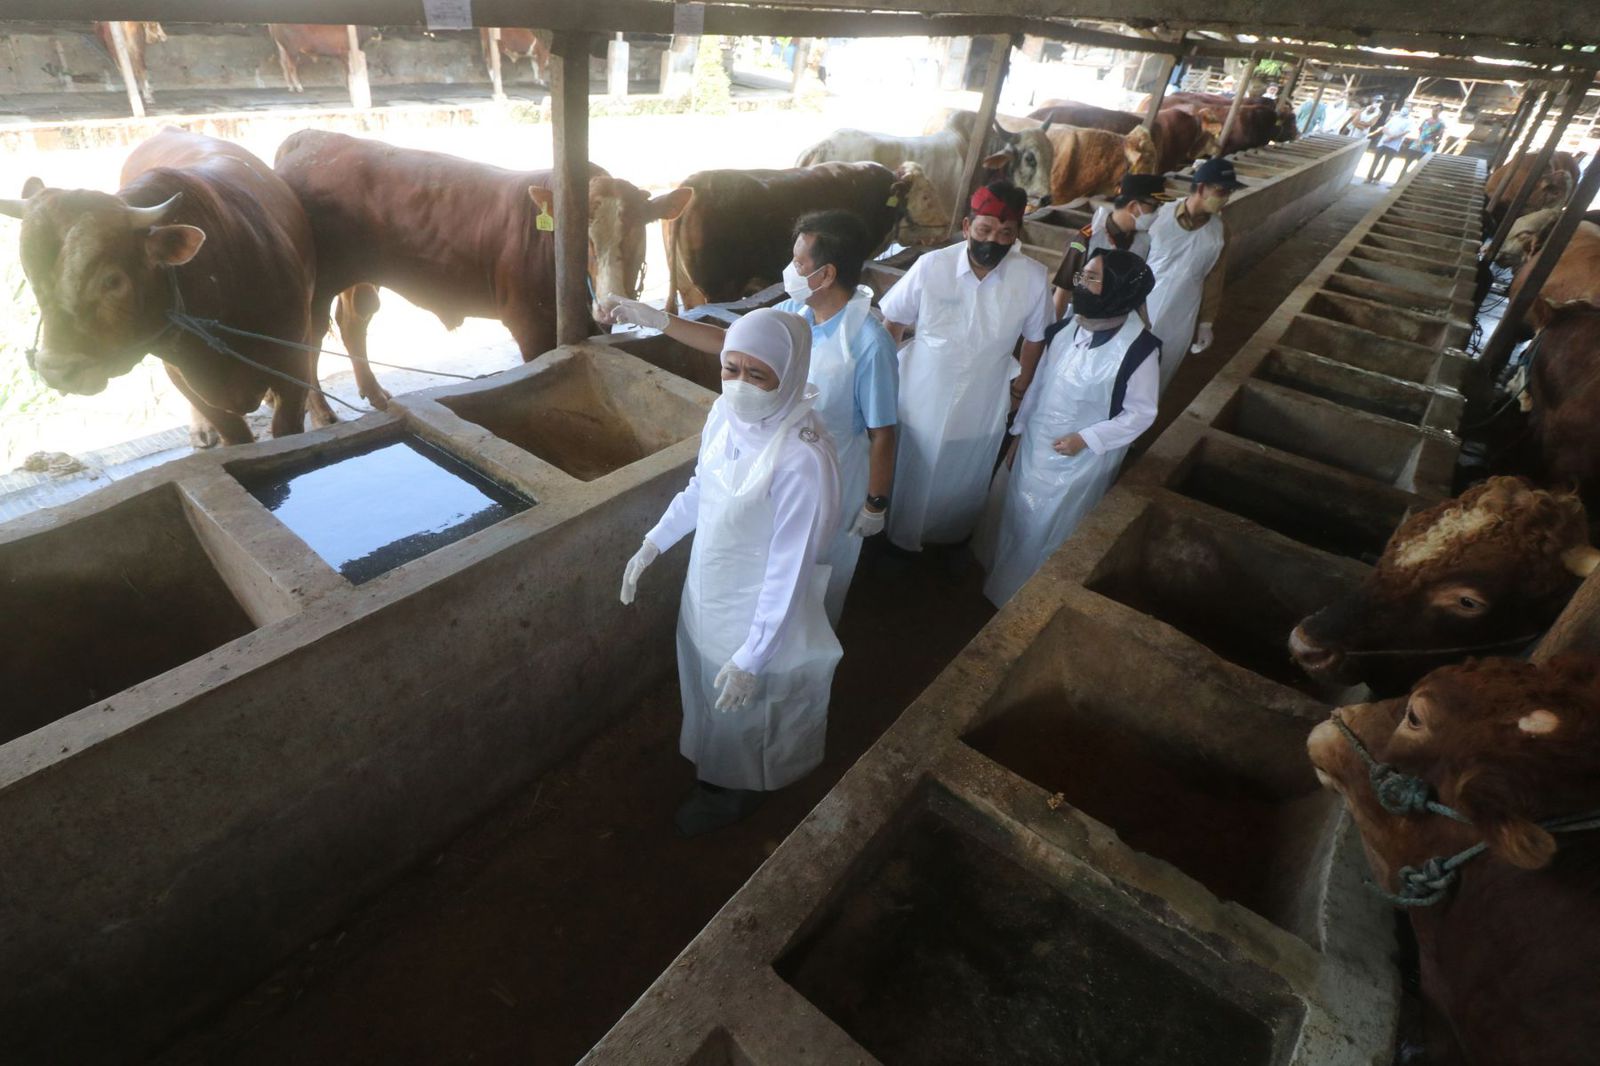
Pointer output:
x,y
164,846
1122,744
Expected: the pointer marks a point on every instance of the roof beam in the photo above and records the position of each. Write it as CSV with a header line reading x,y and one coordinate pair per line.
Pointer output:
x,y
1446,46
1355,59
1536,22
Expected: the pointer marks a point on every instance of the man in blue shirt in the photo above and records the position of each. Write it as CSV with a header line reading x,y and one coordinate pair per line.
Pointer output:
x,y
853,366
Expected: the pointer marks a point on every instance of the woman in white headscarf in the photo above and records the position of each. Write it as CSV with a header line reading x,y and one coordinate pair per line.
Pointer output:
x,y
755,652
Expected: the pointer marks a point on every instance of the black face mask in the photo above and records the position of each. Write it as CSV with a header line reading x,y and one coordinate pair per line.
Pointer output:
x,y
987,254
1091,304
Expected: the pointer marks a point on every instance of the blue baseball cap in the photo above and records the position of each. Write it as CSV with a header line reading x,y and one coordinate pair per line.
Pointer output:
x,y
1217,171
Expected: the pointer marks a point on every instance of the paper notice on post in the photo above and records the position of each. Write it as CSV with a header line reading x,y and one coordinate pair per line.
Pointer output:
x,y
688,20
447,14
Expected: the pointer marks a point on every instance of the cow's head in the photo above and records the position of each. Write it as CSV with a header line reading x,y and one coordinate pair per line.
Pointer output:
x,y
97,266
1527,234
1029,155
618,215
1285,128
1553,189
1212,121
1140,150
1506,743
1497,564
923,204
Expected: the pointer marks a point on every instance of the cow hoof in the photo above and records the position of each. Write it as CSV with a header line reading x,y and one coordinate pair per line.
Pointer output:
x,y
203,437
379,397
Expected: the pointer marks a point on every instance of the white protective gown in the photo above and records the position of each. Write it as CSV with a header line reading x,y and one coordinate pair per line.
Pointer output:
x,y
833,372
1180,259
1047,494
954,390
1099,238
753,596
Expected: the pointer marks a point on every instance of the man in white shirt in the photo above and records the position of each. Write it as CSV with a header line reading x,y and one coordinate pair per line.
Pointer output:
x,y
1396,132
970,304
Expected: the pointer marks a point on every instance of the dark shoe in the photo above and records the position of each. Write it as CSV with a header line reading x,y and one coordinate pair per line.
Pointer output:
x,y
710,808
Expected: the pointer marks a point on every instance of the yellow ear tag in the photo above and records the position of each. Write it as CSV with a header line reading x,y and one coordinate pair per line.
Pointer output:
x,y
894,201
545,221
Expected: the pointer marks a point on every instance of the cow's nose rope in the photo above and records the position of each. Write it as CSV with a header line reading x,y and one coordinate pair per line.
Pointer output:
x,y
1405,794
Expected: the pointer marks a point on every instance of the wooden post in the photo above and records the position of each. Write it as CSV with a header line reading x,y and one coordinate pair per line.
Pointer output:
x,y
999,61
569,110
1291,83
1577,628
1519,116
1160,92
1316,104
495,77
119,46
1239,88
1498,350
1576,89
356,72
617,66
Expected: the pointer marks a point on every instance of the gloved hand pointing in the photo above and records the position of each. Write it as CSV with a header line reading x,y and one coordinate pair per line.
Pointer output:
x,y
1202,339
868,522
633,312
630,576
736,687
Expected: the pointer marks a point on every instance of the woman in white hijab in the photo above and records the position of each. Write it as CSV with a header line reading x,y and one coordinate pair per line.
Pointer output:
x,y
755,652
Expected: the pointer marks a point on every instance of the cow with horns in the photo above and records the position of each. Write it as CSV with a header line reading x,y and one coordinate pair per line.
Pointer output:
x,y
201,228
1477,798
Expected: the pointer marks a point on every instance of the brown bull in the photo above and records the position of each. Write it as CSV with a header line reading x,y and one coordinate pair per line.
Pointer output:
x,y
738,232
1507,954
298,41
1491,569
136,35
1091,162
515,44
1180,137
1554,184
1260,121
198,223
458,238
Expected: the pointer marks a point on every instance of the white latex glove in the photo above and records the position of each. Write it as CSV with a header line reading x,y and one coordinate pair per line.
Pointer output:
x,y
868,523
735,686
633,312
630,575
1202,339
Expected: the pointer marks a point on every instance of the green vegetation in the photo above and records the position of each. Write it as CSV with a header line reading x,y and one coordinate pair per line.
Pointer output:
x,y
713,93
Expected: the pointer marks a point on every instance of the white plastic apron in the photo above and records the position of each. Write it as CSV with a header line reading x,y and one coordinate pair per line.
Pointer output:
x,y
1180,259
777,737
1048,493
833,372
954,394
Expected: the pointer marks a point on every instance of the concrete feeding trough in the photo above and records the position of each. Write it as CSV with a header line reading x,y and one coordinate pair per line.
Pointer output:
x,y
585,416
673,356
1390,321
100,605
1108,789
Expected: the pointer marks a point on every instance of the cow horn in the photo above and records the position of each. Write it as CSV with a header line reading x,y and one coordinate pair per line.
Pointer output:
x,y
145,217
14,208
1581,560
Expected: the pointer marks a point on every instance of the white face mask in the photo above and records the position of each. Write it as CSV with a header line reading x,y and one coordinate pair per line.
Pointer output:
x,y
796,284
750,403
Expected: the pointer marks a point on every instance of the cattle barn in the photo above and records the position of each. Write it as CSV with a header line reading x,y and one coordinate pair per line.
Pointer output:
x,y
279,785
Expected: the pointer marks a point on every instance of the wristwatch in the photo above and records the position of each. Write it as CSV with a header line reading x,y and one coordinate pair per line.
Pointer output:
x,y
878,503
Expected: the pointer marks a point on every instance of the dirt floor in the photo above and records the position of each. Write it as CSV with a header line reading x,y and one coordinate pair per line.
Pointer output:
x,y
528,936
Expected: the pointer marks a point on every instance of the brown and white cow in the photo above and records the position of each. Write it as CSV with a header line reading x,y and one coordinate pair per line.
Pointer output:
x,y
458,238
515,44
1493,567
1025,155
196,219
1091,162
136,35
737,234
1552,186
1508,955
297,41
1260,121
1180,137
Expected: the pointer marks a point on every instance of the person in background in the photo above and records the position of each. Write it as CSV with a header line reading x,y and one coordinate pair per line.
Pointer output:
x,y
755,653
1430,135
970,303
1392,140
1125,225
1187,245
852,366
1096,392
1367,121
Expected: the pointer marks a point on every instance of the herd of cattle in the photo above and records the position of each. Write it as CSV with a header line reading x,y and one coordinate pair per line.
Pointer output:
x,y
297,42
201,226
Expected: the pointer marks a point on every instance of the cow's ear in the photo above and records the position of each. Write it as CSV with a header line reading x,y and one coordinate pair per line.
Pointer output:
x,y
1582,560
173,246
669,205
1489,800
544,199
32,187
998,161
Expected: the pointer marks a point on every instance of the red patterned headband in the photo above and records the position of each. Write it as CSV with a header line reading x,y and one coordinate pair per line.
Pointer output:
x,y
985,202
